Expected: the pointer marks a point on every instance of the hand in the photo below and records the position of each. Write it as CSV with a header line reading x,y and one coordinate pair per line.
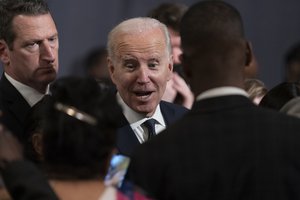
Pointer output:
x,y
183,89
170,92
10,148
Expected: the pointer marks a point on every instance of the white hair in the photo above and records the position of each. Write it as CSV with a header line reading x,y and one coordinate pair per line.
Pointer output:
x,y
134,26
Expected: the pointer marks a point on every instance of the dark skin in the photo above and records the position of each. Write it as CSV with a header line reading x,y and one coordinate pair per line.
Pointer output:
x,y
208,68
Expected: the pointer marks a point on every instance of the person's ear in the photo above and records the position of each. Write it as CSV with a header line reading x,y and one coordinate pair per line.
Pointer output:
x,y
111,69
4,49
248,54
36,139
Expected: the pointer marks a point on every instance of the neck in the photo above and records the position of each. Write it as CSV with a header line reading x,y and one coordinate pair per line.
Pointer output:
x,y
202,87
40,87
78,189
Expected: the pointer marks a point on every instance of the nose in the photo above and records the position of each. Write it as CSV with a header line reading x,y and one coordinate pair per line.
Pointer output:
x,y
143,75
47,52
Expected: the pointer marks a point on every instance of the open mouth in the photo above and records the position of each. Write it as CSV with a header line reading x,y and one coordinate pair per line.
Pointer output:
x,y
143,94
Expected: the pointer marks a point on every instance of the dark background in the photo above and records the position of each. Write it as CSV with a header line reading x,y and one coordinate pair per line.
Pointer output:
x,y
271,25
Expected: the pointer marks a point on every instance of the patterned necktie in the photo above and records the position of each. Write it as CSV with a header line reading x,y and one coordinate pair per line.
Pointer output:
x,y
150,125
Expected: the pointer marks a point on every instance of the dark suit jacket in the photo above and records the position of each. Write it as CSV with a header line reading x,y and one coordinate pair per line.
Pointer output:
x,y
126,138
14,108
224,148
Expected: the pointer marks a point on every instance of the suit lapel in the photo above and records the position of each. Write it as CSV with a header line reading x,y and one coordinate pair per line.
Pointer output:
x,y
126,139
171,112
167,113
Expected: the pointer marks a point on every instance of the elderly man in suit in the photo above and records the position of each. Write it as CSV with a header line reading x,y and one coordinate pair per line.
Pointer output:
x,y
225,147
140,64
29,53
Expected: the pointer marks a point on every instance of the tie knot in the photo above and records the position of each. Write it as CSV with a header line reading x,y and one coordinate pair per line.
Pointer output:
x,y
150,125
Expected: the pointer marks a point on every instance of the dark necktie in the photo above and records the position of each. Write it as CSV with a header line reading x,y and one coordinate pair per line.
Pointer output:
x,y
150,125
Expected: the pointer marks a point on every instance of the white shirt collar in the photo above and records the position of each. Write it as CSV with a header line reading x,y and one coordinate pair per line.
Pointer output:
x,y
136,120
133,116
31,95
221,91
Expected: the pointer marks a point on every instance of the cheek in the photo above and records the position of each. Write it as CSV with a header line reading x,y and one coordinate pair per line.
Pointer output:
x,y
162,82
28,59
121,80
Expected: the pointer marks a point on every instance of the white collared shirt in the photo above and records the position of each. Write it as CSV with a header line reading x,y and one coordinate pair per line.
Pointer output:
x,y
221,91
31,95
136,120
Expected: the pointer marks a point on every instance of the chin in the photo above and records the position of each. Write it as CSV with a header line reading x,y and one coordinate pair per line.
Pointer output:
x,y
146,110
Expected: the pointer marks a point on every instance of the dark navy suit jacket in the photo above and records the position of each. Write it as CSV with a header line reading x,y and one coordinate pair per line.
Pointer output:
x,y
126,138
224,148
14,108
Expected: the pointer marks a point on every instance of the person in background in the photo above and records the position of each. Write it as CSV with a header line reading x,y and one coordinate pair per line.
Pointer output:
x,y
226,147
29,53
79,136
78,141
177,90
140,64
96,67
96,64
292,63
256,89
22,179
292,107
279,95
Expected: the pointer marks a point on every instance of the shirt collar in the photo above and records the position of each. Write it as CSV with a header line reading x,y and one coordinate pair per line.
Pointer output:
x,y
31,95
221,91
133,116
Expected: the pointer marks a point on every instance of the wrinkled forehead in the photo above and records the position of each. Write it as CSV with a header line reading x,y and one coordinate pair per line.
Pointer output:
x,y
142,43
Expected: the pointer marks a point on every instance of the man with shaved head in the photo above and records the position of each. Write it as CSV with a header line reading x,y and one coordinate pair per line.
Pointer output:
x,y
225,147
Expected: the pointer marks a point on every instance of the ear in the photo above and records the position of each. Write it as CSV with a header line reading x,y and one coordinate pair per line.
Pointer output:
x,y
4,52
36,139
111,69
249,54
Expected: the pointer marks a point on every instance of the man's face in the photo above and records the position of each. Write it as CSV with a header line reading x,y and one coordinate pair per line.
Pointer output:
x,y
33,59
141,69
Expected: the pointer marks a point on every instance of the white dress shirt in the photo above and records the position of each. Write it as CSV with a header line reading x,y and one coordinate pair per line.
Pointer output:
x,y
136,120
221,91
31,95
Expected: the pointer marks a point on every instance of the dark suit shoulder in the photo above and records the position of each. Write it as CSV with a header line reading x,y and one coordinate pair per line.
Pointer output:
x,y
13,106
174,109
172,112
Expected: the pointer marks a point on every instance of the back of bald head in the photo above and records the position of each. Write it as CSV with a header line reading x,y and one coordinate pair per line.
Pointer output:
x,y
211,25
215,52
